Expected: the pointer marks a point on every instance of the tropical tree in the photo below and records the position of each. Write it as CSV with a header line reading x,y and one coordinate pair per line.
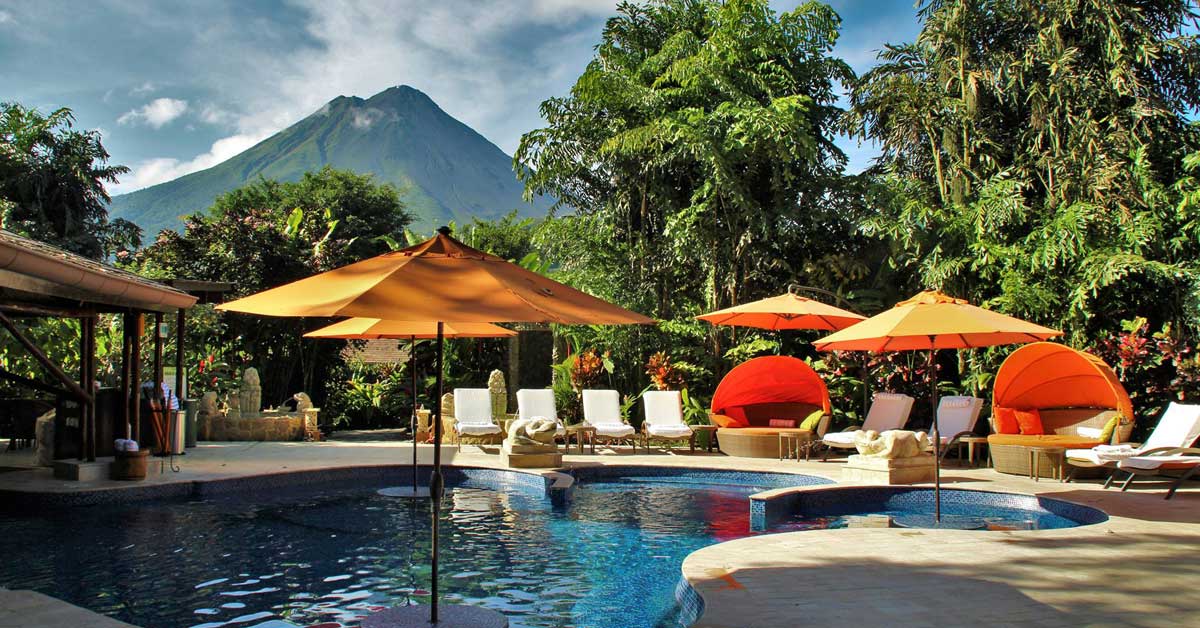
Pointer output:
x,y
697,153
1034,157
52,180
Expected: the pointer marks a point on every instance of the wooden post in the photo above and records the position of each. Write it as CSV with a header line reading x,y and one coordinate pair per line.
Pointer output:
x,y
126,355
180,322
139,329
83,379
88,328
158,385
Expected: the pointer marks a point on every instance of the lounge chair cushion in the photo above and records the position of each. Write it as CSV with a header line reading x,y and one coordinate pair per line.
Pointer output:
x,y
668,431
721,420
839,439
1030,422
811,422
477,429
1150,463
613,430
1065,441
1005,420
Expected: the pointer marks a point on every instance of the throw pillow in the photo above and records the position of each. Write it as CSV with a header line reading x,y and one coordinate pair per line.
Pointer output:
x,y
789,423
1005,420
1030,422
811,422
1106,434
720,420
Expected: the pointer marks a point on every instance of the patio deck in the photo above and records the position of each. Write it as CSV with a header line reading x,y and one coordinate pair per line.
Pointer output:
x,y
1135,569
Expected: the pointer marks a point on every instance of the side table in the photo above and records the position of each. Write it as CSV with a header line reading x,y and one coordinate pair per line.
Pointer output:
x,y
971,442
792,441
579,431
1035,460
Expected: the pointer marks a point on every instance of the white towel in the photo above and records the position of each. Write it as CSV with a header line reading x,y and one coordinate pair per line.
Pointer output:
x,y
1113,453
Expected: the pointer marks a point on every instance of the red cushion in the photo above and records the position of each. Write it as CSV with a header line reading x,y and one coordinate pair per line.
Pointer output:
x,y
721,420
1006,420
781,423
1030,422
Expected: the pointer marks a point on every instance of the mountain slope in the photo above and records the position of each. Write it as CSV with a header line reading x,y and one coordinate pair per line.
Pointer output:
x,y
444,169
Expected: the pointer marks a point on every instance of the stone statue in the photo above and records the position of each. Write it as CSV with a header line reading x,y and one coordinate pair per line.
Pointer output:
x,y
534,432
208,405
251,393
892,444
498,393
233,403
303,402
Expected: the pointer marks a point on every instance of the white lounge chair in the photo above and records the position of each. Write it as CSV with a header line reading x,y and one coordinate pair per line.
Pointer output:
x,y
1183,459
956,418
1178,427
602,411
539,402
664,418
889,411
473,414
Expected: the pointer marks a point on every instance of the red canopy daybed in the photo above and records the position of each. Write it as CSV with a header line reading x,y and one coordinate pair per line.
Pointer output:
x,y
773,389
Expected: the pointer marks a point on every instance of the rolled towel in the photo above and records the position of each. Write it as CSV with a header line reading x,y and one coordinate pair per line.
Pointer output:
x,y
1113,453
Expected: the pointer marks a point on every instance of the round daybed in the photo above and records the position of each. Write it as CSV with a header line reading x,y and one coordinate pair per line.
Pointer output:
x,y
1077,396
761,397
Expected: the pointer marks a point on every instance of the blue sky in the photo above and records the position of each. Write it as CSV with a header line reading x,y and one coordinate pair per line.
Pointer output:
x,y
177,86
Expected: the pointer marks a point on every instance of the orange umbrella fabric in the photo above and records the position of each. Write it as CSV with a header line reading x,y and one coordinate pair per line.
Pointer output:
x,y
786,311
374,329
440,279
932,320
1050,375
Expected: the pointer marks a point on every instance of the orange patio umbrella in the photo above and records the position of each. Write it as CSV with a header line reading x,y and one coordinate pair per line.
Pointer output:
x,y
786,311
376,329
441,280
927,322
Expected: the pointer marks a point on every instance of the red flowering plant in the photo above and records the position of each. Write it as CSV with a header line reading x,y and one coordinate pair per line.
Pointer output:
x,y
578,371
663,374
1155,368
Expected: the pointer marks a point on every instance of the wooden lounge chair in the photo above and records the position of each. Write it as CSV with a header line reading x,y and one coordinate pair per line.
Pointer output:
x,y
664,419
539,402
889,411
473,417
1178,427
956,418
602,411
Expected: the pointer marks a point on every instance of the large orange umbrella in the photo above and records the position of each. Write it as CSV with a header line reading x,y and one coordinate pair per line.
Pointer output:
x,y
786,311
930,321
440,279
376,329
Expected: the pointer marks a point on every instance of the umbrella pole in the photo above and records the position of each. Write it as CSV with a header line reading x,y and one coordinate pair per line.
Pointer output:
x,y
937,440
435,478
412,420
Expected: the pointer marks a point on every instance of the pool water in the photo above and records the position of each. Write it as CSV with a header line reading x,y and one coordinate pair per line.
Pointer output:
x,y
326,555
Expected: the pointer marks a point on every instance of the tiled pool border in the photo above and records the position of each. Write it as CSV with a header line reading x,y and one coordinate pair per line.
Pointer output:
x,y
769,507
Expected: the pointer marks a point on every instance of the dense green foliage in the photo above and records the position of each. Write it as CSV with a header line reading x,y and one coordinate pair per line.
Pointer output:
x,y
264,235
443,169
52,181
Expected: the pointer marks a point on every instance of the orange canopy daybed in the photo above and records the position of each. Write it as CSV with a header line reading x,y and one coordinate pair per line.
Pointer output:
x,y
773,389
1078,398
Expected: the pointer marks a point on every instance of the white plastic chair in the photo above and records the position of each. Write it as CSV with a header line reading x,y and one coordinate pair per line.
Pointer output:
x,y
664,417
473,412
539,403
889,411
602,411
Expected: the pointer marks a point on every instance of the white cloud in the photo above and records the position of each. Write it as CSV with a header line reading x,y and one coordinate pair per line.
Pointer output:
x,y
213,114
155,113
144,88
161,169
6,18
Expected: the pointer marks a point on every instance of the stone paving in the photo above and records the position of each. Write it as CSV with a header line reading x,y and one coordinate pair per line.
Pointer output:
x,y
1138,568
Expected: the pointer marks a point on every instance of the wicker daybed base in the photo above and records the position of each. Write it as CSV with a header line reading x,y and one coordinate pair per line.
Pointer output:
x,y
750,442
1010,452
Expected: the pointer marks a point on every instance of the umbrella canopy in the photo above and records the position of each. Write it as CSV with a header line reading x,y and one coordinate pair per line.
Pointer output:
x,y
932,320
786,311
440,279
375,329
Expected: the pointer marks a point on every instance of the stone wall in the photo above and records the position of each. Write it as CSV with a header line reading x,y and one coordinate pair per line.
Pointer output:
x,y
280,428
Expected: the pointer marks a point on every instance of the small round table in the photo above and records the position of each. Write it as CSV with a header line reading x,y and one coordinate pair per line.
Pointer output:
x,y
579,431
1035,460
971,442
792,441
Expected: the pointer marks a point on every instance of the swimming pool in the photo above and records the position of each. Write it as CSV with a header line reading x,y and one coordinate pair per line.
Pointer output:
x,y
328,551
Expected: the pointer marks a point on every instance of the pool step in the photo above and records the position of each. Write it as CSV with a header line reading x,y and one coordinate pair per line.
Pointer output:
x,y
26,609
